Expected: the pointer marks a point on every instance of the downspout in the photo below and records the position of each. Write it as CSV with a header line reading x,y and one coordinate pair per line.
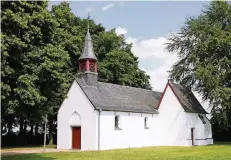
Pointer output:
x,y
99,129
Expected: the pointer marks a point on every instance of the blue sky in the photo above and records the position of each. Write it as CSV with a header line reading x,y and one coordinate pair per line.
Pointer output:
x,y
146,25
142,19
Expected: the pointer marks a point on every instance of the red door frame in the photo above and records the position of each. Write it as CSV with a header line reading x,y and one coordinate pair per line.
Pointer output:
x,y
192,136
76,137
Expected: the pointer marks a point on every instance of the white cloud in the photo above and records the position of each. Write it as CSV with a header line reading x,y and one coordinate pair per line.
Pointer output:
x,y
149,48
159,76
154,50
105,8
120,30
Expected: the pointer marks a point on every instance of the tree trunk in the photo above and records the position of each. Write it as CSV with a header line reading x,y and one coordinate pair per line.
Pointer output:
x,y
21,122
31,130
51,131
36,129
9,128
25,127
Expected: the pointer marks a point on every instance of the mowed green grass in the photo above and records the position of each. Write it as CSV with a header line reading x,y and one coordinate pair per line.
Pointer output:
x,y
212,152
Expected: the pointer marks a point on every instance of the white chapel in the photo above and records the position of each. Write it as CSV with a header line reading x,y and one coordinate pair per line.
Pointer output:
x,y
101,116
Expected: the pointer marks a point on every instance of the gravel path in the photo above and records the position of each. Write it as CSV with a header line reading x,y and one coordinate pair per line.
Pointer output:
x,y
28,151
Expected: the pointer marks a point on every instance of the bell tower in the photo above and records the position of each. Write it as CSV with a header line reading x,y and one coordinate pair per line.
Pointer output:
x,y
87,61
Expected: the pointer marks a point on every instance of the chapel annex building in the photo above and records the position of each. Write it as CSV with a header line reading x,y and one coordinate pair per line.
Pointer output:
x,y
101,116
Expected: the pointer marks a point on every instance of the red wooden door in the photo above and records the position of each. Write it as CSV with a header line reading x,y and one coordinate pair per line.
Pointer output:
x,y
76,137
192,136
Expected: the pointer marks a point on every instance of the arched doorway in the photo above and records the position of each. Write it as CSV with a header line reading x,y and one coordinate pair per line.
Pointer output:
x,y
75,123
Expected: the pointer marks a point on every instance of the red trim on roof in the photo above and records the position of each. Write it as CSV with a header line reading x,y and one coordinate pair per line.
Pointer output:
x,y
162,96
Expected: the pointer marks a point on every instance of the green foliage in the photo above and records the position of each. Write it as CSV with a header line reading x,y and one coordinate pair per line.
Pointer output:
x,y
204,49
33,65
117,64
116,60
71,36
40,52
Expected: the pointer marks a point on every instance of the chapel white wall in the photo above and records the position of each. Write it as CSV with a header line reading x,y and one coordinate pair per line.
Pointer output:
x,y
76,101
171,127
177,124
132,133
202,132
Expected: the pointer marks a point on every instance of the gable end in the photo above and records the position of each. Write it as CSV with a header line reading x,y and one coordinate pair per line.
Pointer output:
x,y
86,95
197,106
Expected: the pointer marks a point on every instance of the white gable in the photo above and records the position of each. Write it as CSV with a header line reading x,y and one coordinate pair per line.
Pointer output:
x,y
178,123
173,120
77,110
169,103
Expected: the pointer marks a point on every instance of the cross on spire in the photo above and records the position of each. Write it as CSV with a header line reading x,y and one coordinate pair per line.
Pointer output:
x,y
88,52
88,18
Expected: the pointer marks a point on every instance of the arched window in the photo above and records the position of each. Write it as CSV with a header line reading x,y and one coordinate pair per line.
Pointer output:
x,y
146,123
117,122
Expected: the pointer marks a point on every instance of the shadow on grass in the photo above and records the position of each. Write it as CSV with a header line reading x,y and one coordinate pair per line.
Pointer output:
x,y
222,143
16,156
27,146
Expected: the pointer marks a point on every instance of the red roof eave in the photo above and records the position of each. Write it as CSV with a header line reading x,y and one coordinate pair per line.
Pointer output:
x,y
162,96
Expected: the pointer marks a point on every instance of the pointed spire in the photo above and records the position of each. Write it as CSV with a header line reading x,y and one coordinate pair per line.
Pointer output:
x,y
88,18
88,52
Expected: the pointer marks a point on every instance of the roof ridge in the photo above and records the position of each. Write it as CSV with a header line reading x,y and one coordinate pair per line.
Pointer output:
x,y
129,86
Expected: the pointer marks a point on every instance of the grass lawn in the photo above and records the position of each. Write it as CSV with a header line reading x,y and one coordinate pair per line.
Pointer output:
x,y
12,148
212,152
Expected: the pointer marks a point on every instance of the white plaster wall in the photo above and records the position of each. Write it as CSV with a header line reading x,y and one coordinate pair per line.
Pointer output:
x,y
177,124
132,133
171,127
172,120
202,132
85,116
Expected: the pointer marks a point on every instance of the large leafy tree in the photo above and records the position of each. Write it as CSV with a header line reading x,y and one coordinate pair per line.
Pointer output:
x,y
111,50
204,48
33,65
117,63
40,51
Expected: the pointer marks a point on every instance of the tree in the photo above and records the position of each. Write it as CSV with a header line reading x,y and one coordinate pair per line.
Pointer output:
x,y
33,65
116,66
72,32
71,36
117,63
204,48
18,32
40,52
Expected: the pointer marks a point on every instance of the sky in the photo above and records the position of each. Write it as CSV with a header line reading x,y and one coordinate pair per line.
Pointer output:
x,y
146,25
